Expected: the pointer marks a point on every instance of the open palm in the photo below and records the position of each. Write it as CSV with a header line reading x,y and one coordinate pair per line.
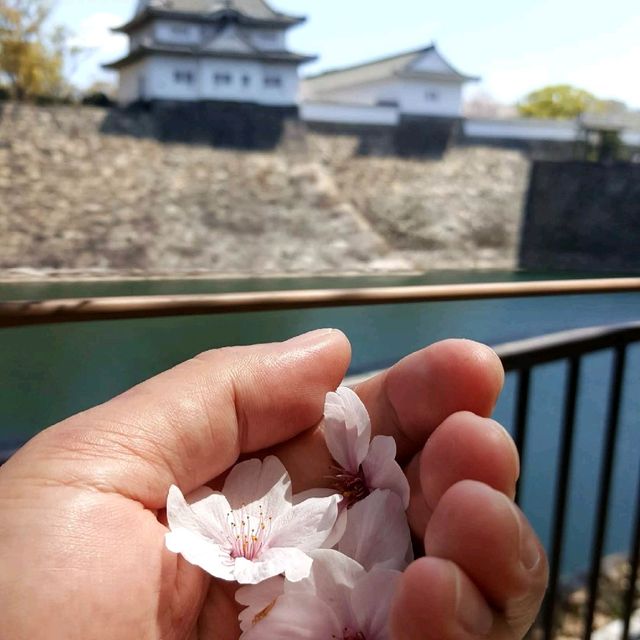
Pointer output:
x,y
81,506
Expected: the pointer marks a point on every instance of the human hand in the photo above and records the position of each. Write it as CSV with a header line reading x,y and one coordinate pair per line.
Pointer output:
x,y
81,506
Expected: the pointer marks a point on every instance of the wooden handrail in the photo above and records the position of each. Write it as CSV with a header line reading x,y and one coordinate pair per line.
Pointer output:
x,y
31,312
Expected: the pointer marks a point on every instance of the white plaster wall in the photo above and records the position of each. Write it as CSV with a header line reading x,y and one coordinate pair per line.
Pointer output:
x,y
237,69
348,114
631,138
161,81
129,84
522,129
255,90
177,32
162,85
418,97
287,94
431,61
267,39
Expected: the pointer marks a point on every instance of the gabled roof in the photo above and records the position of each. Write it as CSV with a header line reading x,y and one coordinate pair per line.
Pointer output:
x,y
253,12
230,40
424,63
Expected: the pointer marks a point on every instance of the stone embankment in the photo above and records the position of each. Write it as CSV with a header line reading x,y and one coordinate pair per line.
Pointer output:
x,y
73,198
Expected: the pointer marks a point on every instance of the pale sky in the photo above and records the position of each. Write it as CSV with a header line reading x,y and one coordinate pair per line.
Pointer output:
x,y
515,46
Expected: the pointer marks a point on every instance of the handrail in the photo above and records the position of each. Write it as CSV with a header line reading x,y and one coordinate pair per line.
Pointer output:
x,y
549,347
32,312
565,344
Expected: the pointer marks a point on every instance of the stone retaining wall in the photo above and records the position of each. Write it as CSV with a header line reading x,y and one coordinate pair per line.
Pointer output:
x,y
73,197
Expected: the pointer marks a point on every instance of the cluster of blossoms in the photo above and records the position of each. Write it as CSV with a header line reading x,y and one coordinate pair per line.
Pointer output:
x,y
321,564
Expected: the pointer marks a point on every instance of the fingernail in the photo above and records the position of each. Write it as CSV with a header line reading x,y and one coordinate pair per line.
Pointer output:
x,y
512,445
310,338
473,615
529,549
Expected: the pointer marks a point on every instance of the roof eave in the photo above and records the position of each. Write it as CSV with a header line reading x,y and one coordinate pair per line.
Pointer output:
x,y
143,52
148,14
427,75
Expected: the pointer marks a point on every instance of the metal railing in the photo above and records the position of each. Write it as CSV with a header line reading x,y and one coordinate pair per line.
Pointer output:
x,y
29,312
571,346
519,357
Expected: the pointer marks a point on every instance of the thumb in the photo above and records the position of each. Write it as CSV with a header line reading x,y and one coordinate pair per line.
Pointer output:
x,y
189,424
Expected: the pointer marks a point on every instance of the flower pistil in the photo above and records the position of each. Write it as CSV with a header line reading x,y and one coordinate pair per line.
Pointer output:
x,y
249,534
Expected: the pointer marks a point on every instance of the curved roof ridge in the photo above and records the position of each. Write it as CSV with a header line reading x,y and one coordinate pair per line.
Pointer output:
x,y
386,58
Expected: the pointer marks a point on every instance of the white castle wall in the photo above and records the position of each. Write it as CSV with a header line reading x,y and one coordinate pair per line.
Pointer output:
x,y
247,80
416,97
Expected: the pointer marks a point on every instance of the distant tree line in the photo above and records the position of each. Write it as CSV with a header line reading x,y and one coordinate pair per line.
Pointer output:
x,y
33,54
563,101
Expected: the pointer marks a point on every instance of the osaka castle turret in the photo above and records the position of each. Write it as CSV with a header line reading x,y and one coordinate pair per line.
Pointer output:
x,y
227,51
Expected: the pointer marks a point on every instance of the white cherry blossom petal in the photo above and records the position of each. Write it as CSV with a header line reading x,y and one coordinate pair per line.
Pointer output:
x,y
203,553
332,578
320,492
255,483
341,523
377,533
297,617
371,602
296,565
307,525
258,600
347,428
207,517
381,470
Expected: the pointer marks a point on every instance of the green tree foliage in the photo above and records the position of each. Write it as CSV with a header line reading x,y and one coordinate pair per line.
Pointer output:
x,y
558,101
31,60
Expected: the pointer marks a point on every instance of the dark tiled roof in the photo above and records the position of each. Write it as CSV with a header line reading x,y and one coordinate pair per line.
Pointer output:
x,y
272,56
401,64
248,11
251,8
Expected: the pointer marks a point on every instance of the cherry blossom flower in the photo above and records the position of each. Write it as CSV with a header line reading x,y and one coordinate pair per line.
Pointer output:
x,y
363,465
252,530
377,537
339,600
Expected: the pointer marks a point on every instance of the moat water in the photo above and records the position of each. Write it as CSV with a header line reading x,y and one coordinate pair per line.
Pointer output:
x,y
48,373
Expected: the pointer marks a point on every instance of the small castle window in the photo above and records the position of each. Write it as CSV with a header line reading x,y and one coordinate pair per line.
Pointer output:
x,y
221,79
180,29
183,77
246,80
432,96
273,82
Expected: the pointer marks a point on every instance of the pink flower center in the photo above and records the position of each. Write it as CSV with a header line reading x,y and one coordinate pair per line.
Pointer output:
x,y
351,486
249,533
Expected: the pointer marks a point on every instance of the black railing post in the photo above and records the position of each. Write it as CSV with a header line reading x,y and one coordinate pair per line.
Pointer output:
x,y
521,415
634,560
615,399
560,501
